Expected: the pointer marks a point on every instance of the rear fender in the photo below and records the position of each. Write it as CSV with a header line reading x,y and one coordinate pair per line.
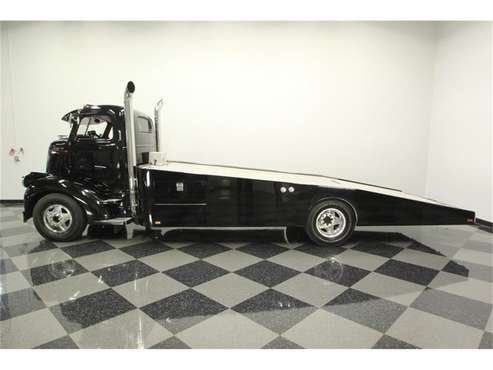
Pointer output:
x,y
88,199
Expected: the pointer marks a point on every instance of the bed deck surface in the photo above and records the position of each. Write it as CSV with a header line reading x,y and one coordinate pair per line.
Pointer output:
x,y
279,176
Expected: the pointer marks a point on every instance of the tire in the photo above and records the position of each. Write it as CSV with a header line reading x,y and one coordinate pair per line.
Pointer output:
x,y
58,217
336,221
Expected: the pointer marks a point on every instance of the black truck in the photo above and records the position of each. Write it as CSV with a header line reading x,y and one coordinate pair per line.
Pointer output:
x,y
112,170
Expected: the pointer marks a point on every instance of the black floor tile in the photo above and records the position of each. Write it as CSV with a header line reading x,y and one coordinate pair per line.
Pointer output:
x,y
90,309
7,266
453,307
124,272
195,273
486,341
19,303
87,248
60,343
378,248
274,310
456,268
204,250
182,310
423,248
263,250
316,250
469,269
337,272
281,343
376,313
387,342
171,343
408,271
269,300
54,271
267,273
379,237
147,248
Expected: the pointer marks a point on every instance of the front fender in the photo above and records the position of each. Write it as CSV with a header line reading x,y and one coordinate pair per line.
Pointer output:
x,y
88,199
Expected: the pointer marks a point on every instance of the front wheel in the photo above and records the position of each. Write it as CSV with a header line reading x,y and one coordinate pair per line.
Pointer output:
x,y
58,217
330,223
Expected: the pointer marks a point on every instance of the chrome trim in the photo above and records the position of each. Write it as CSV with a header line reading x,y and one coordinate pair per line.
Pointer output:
x,y
330,223
180,204
115,200
131,154
57,218
148,179
158,126
114,221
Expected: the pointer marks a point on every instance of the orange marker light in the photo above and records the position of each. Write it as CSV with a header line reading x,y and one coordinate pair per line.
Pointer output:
x,y
157,222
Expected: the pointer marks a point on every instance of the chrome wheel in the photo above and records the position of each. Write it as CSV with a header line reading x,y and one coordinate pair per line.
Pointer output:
x,y
330,223
57,218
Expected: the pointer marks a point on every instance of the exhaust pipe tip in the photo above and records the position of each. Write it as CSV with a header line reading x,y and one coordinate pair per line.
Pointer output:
x,y
130,87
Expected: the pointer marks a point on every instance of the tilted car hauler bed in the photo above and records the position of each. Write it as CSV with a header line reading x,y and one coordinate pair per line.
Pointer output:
x,y
121,176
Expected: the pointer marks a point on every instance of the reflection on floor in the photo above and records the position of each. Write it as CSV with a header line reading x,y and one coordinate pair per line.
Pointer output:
x,y
422,287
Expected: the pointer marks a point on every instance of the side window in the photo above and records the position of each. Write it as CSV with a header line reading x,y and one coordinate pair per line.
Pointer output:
x,y
143,125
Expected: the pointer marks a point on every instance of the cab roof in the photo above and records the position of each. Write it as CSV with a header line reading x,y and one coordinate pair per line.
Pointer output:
x,y
91,110
98,110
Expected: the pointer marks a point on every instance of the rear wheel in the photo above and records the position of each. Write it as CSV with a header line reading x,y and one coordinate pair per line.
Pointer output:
x,y
330,223
58,217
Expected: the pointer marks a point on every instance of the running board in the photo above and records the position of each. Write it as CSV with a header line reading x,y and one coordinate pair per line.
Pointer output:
x,y
114,221
110,201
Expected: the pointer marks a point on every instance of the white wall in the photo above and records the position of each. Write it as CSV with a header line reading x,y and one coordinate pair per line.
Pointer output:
x,y
350,100
460,147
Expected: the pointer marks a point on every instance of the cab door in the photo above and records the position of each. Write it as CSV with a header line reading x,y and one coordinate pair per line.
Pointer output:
x,y
94,154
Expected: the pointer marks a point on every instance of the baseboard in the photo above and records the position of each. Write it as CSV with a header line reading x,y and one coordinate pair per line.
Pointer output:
x,y
10,201
484,225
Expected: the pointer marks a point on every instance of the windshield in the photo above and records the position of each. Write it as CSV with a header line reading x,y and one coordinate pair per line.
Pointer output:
x,y
95,127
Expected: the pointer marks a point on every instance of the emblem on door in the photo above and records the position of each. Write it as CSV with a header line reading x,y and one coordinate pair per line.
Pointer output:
x,y
179,186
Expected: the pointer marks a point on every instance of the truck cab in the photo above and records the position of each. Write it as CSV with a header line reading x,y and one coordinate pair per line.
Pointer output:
x,y
87,172
93,152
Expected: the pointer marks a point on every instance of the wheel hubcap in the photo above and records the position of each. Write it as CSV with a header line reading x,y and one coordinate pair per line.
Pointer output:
x,y
330,223
57,218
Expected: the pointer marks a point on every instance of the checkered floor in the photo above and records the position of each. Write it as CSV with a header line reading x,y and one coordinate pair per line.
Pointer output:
x,y
421,287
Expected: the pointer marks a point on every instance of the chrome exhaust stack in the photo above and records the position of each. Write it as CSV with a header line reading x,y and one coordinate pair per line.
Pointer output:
x,y
131,155
159,126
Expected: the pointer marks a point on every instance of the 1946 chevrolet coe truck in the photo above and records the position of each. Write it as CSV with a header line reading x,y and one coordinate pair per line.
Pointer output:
x,y
112,170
